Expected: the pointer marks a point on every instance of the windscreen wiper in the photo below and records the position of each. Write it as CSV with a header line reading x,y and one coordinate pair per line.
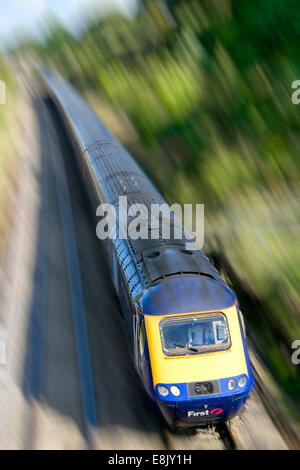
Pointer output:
x,y
190,348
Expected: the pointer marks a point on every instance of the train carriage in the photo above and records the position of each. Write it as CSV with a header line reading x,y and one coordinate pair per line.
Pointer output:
x,y
184,322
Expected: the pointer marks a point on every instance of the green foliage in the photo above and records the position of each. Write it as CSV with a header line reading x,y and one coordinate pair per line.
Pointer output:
x,y
7,153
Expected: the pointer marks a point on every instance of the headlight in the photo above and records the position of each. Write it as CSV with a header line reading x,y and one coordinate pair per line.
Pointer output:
x,y
231,384
175,391
162,390
242,382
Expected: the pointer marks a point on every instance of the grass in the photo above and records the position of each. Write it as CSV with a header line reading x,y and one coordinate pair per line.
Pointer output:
x,y
8,128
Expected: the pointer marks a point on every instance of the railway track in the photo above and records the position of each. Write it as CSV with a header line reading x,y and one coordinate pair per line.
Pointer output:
x,y
253,429
66,394
208,437
289,435
57,256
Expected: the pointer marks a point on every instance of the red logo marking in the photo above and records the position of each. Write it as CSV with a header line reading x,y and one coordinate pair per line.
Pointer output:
x,y
216,411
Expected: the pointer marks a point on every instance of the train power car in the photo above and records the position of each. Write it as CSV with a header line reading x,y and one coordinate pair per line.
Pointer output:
x,y
184,322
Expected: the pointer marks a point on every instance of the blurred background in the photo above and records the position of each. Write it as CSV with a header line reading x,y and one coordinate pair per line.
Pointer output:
x,y
200,93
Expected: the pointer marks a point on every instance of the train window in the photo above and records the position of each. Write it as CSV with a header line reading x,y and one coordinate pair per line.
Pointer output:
x,y
142,337
195,334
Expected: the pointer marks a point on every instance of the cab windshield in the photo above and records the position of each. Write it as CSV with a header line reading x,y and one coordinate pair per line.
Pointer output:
x,y
195,334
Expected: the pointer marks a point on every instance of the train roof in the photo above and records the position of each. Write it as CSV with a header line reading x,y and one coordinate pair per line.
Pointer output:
x,y
184,293
161,273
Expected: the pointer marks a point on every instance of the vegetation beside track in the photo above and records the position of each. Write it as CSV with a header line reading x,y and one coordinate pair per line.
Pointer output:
x,y
8,131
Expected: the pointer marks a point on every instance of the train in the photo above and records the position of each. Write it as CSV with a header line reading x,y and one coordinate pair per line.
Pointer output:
x,y
184,322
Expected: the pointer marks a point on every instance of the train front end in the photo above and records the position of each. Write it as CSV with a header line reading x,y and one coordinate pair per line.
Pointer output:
x,y
200,365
